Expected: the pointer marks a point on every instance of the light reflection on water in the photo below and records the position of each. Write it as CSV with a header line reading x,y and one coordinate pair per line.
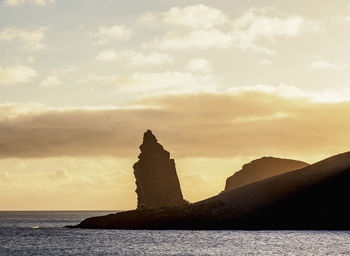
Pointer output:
x,y
18,237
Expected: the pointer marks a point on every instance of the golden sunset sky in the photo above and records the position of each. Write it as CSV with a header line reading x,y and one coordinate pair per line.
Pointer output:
x,y
220,83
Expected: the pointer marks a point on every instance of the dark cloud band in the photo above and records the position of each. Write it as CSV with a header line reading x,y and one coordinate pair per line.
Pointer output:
x,y
201,125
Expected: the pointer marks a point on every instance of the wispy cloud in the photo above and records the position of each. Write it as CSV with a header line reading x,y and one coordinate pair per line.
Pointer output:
x,y
194,16
265,62
17,3
196,39
140,84
110,34
30,39
138,59
199,65
51,81
16,74
135,58
107,55
59,174
324,64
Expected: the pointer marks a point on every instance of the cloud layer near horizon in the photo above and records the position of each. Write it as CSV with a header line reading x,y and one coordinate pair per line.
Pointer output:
x,y
208,125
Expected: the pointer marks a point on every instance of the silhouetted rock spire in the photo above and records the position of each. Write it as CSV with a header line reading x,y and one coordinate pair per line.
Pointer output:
x,y
156,179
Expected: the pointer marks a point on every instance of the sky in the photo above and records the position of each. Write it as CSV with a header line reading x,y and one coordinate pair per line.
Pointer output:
x,y
220,83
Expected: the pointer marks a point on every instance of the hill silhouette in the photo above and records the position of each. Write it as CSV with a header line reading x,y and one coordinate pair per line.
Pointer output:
x,y
260,169
313,197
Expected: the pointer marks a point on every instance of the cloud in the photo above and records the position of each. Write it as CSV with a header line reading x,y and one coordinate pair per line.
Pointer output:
x,y
265,62
204,29
148,18
51,81
286,91
106,55
31,39
110,34
241,124
194,16
171,82
260,23
138,59
323,64
198,39
17,3
293,92
4,177
141,84
59,174
105,80
65,71
16,75
199,65
257,23
135,58
74,184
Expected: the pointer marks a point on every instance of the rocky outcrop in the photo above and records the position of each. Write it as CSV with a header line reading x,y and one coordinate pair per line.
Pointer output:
x,y
260,169
314,197
156,178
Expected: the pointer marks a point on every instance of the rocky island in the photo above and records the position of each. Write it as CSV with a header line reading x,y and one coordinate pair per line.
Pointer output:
x,y
313,197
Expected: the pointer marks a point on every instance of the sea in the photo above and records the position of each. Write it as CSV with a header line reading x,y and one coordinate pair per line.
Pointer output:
x,y
44,233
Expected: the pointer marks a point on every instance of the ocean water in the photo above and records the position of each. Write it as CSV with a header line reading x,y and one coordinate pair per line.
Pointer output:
x,y
42,233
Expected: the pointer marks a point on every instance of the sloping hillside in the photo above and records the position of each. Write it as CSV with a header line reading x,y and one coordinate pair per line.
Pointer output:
x,y
260,169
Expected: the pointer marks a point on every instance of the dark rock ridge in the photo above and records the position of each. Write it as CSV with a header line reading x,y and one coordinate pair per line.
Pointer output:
x,y
156,178
314,197
260,169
